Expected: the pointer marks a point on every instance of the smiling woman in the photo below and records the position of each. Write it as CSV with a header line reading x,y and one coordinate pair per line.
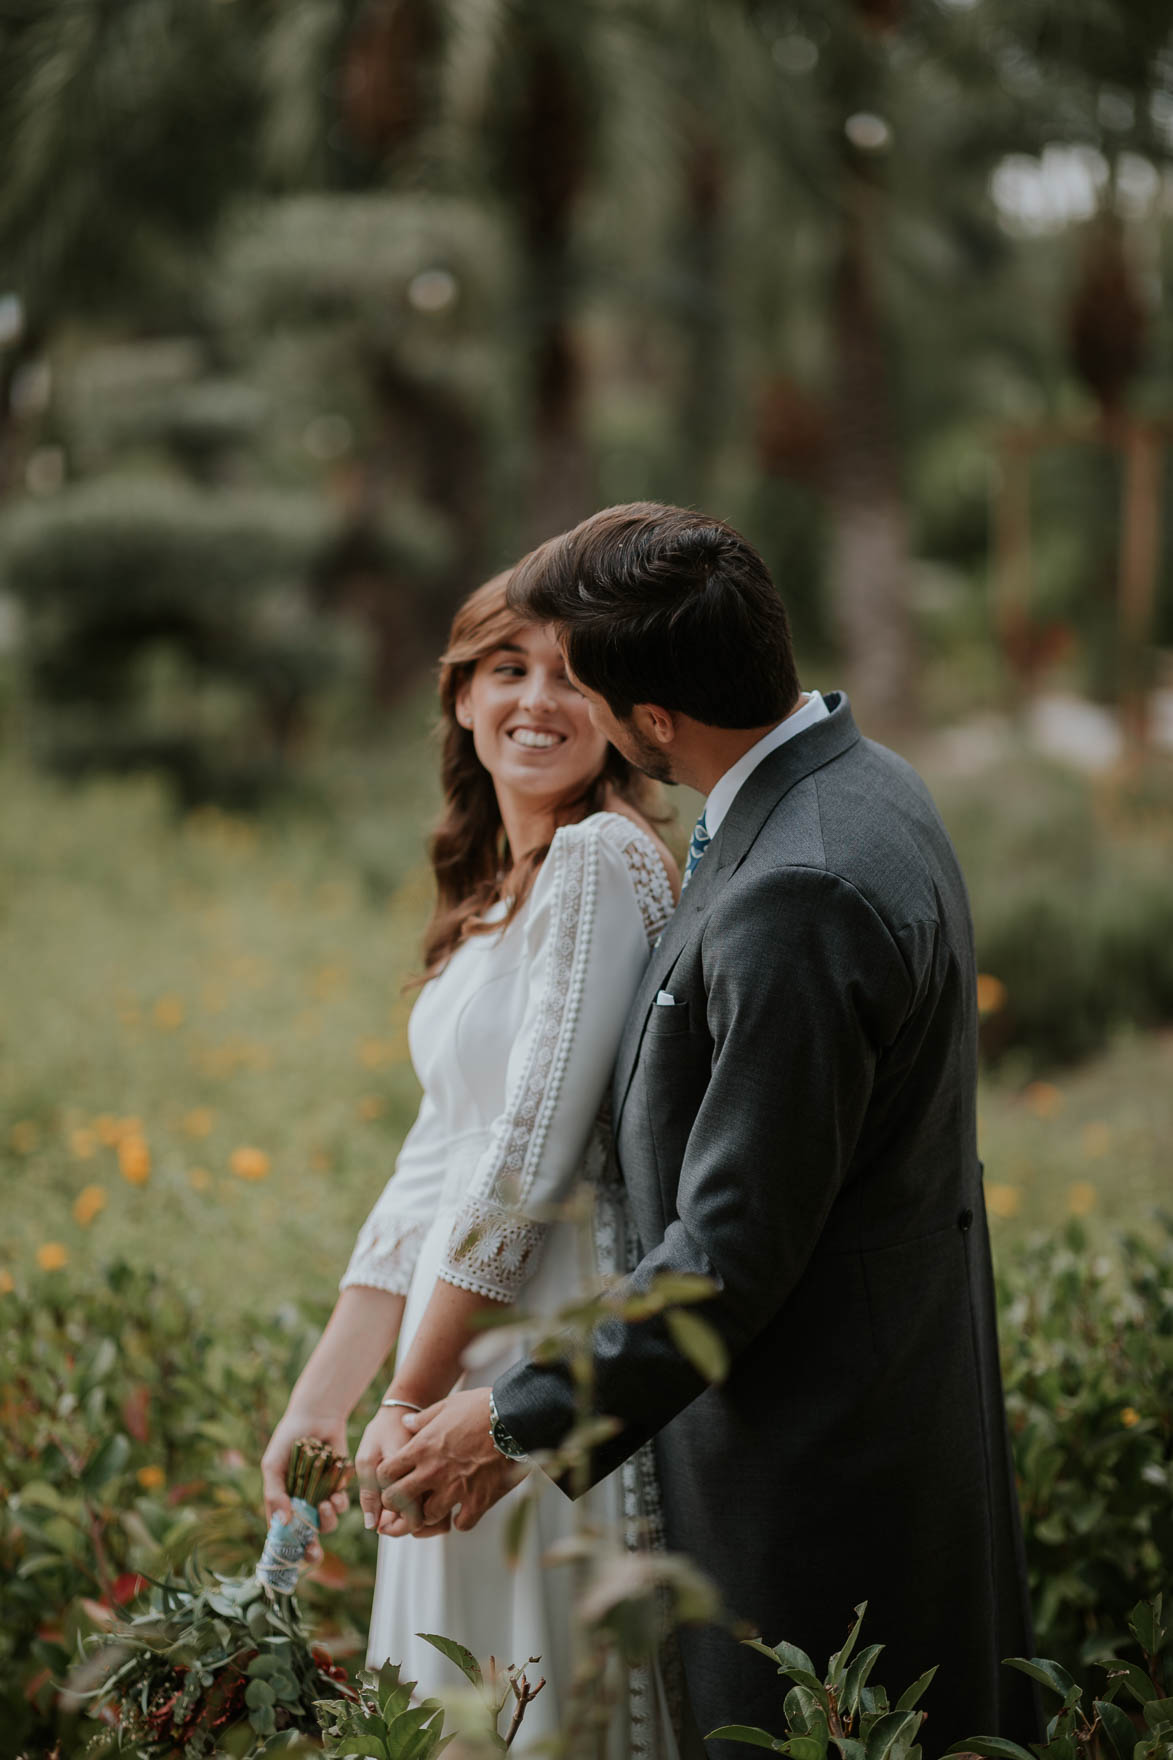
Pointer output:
x,y
521,757
551,887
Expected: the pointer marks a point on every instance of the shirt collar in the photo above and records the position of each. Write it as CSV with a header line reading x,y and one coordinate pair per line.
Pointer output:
x,y
724,791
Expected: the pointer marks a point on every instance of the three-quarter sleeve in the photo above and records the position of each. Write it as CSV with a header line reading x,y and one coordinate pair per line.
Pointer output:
x,y
600,899
389,1241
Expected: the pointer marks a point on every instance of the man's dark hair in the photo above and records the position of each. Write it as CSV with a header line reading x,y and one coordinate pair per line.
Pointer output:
x,y
661,605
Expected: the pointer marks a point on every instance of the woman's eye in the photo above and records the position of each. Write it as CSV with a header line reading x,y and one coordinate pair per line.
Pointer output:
x,y
509,671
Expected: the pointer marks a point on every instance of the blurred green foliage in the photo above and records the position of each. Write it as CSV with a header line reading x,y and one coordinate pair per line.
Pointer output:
x,y
139,1413
407,284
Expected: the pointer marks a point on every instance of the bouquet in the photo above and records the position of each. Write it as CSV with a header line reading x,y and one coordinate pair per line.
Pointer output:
x,y
218,1664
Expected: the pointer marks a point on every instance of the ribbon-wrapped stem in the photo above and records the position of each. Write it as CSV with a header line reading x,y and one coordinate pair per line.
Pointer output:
x,y
314,1473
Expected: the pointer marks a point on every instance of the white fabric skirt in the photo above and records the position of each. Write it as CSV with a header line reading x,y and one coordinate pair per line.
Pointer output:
x,y
461,1586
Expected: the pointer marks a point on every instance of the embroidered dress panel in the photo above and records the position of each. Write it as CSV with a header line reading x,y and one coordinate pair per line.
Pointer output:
x,y
512,1043
600,900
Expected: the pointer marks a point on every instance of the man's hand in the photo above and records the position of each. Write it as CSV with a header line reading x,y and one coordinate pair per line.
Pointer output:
x,y
450,1460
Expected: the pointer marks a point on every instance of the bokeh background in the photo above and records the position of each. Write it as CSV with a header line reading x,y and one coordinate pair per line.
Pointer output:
x,y
313,314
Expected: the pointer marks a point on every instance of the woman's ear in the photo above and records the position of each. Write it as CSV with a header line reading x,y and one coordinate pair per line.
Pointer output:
x,y
462,708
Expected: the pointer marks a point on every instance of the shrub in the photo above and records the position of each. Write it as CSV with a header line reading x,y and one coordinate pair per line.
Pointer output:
x,y
133,1427
1087,1346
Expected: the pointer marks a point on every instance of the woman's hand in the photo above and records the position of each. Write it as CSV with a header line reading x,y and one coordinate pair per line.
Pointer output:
x,y
329,1427
383,1437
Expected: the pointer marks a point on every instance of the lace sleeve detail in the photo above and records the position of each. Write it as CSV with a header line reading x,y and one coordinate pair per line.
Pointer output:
x,y
385,1253
645,864
601,909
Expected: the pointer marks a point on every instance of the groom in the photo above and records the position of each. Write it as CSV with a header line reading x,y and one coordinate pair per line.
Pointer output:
x,y
794,1110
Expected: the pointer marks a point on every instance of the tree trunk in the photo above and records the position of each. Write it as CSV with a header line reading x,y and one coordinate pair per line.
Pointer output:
x,y
548,164
868,568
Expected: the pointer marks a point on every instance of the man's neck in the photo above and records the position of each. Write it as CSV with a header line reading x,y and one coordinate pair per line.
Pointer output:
x,y
709,752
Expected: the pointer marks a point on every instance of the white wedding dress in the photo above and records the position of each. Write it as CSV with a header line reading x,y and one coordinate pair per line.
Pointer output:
x,y
513,1044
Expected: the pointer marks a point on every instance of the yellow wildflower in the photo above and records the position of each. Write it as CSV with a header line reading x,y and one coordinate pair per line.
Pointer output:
x,y
1043,1098
1097,1139
198,1178
107,1129
134,1159
52,1256
90,1201
249,1163
1129,1417
83,1142
1003,1201
991,994
151,1478
169,1013
7,1283
1082,1198
24,1136
370,1106
199,1121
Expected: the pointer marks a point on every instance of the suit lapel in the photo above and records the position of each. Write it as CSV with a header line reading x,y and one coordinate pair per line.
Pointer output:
x,y
761,792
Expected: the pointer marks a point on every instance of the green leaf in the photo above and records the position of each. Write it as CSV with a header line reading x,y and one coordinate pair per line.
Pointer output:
x,y
837,1667
887,1733
912,1694
1048,1674
849,1747
109,1461
695,1339
262,1666
1134,1678
464,1659
747,1733
804,1748
991,1748
366,1746
794,1708
1159,1714
1118,1727
1144,1622
857,1676
789,1657
520,1517
259,1693
263,1720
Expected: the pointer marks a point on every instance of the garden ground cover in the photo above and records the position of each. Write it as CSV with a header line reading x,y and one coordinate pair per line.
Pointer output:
x,y
203,1038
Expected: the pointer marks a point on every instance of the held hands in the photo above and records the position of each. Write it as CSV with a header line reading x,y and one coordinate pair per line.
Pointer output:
x,y
384,1440
447,1459
328,1427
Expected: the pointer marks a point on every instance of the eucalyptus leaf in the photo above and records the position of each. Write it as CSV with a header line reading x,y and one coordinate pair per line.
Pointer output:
x,y
747,1733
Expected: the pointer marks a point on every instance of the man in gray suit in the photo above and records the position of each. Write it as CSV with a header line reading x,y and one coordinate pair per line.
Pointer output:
x,y
795,1120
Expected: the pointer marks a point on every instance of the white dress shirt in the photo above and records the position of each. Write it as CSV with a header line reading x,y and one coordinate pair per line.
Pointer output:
x,y
725,790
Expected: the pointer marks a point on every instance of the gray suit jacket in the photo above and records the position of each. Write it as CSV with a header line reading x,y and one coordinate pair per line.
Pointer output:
x,y
800,1128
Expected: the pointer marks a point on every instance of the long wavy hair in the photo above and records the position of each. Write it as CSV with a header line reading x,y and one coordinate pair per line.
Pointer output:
x,y
469,850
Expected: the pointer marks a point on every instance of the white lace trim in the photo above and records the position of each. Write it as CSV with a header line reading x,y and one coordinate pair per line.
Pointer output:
x,y
492,1247
653,889
492,1251
385,1253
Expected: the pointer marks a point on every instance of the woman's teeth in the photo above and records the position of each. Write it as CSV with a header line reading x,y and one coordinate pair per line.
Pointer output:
x,y
526,736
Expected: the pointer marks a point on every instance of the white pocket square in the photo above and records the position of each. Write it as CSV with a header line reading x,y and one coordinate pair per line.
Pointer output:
x,y
665,999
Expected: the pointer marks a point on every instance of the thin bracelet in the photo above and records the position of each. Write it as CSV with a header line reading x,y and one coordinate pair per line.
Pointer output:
x,y
401,1402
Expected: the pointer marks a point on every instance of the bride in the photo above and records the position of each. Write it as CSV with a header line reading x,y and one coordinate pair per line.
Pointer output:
x,y
551,888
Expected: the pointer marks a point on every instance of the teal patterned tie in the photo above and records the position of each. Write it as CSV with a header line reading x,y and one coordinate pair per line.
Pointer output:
x,y
696,849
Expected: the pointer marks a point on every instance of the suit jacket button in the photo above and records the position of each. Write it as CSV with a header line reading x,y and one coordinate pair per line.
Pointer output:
x,y
965,1220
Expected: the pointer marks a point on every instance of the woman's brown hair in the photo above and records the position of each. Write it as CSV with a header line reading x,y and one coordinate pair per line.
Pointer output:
x,y
469,851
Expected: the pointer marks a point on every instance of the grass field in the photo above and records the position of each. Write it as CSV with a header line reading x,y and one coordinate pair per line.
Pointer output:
x,y
202,1039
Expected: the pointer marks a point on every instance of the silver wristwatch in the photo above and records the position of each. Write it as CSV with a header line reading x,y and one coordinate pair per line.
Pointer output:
x,y
502,1441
